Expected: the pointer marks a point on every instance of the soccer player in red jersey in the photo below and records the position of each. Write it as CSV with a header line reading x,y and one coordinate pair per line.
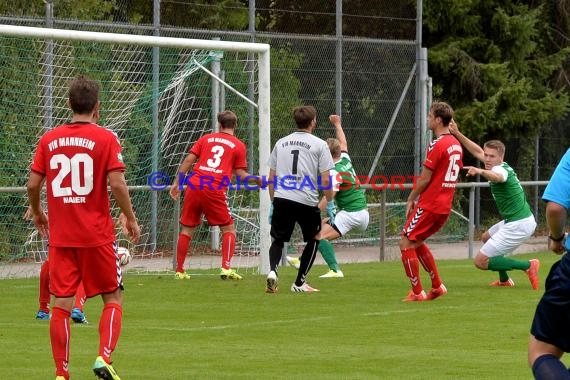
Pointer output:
x,y
429,203
77,160
215,156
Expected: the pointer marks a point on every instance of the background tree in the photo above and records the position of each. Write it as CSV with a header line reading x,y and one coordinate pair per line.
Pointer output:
x,y
502,65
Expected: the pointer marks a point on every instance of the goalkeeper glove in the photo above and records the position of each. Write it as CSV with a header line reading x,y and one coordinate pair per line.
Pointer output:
x,y
331,211
270,218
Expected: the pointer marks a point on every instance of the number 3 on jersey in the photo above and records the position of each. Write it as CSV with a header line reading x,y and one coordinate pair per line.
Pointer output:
x,y
453,168
215,161
80,166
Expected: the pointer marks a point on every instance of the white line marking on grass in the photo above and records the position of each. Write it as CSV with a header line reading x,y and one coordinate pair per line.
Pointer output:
x,y
404,311
240,325
287,321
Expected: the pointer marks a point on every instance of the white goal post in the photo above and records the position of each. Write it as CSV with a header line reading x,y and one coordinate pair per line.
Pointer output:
x,y
262,104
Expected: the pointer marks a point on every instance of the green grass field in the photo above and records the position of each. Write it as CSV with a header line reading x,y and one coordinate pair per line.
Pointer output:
x,y
355,328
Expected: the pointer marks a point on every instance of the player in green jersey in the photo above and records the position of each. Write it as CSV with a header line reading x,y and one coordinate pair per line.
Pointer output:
x,y
518,222
349,198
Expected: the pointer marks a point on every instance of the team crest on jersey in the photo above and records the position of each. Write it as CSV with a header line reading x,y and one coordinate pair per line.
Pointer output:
x,y
120,157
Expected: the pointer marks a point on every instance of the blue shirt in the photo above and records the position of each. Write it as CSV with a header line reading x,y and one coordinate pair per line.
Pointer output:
x,y
558,188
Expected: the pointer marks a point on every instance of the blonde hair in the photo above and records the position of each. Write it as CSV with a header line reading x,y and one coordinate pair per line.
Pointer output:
x,y
497,145
334,147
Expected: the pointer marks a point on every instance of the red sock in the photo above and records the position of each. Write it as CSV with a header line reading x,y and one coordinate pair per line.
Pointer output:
x,y
181,251
80,297
428,262
109,329
44,297
228,248
60,334
412,268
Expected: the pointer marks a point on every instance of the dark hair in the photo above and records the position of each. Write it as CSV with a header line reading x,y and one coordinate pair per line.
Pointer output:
x,y
83,95
227,119
442,110
304,115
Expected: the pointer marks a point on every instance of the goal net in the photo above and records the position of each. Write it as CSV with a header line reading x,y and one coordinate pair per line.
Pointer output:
x,y
159,95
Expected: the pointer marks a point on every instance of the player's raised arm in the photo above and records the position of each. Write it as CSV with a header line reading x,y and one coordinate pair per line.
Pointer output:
x,y
471,146
341,137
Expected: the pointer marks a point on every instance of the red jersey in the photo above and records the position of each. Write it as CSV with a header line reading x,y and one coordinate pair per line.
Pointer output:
x,y
445,159
75,159
219,154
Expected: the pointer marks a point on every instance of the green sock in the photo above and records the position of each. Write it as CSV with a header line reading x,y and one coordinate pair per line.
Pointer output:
x,y
327,250
502,263
503,276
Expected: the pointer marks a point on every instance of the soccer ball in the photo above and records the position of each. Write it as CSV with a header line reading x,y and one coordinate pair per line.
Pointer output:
x,y
124,256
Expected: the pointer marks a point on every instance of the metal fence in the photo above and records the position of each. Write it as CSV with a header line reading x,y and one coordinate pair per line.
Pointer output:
x,y
371,82
364,79
378,83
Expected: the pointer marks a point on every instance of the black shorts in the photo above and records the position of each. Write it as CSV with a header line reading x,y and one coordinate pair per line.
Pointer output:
x,y
286,213
551,323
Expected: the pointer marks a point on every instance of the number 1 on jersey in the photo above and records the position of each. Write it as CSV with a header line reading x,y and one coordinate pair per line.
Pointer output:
x,y
295,154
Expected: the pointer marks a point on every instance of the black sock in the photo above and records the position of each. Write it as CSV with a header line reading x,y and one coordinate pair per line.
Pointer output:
x,y
549,367
275,252
307,260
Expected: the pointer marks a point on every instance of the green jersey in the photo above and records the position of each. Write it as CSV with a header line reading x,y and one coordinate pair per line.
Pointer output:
x,y
509,195
349,197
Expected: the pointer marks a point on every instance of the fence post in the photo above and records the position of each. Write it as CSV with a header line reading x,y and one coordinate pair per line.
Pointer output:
x,y
471,219
176,231
155,123
382,225
338,58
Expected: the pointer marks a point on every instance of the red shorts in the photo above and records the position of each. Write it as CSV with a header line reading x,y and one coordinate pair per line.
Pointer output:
x,y
211,203
97,267
421,224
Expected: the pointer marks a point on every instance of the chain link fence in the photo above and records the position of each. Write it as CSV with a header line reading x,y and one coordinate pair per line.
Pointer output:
x,y
358,59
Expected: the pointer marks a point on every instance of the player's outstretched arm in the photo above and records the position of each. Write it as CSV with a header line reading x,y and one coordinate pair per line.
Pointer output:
x,y
489,175
340,136
120,192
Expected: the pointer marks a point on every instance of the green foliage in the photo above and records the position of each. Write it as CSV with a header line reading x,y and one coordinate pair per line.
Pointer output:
x,y
216,15
22,8
89,10
495,62
358,327
488,60
285,90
